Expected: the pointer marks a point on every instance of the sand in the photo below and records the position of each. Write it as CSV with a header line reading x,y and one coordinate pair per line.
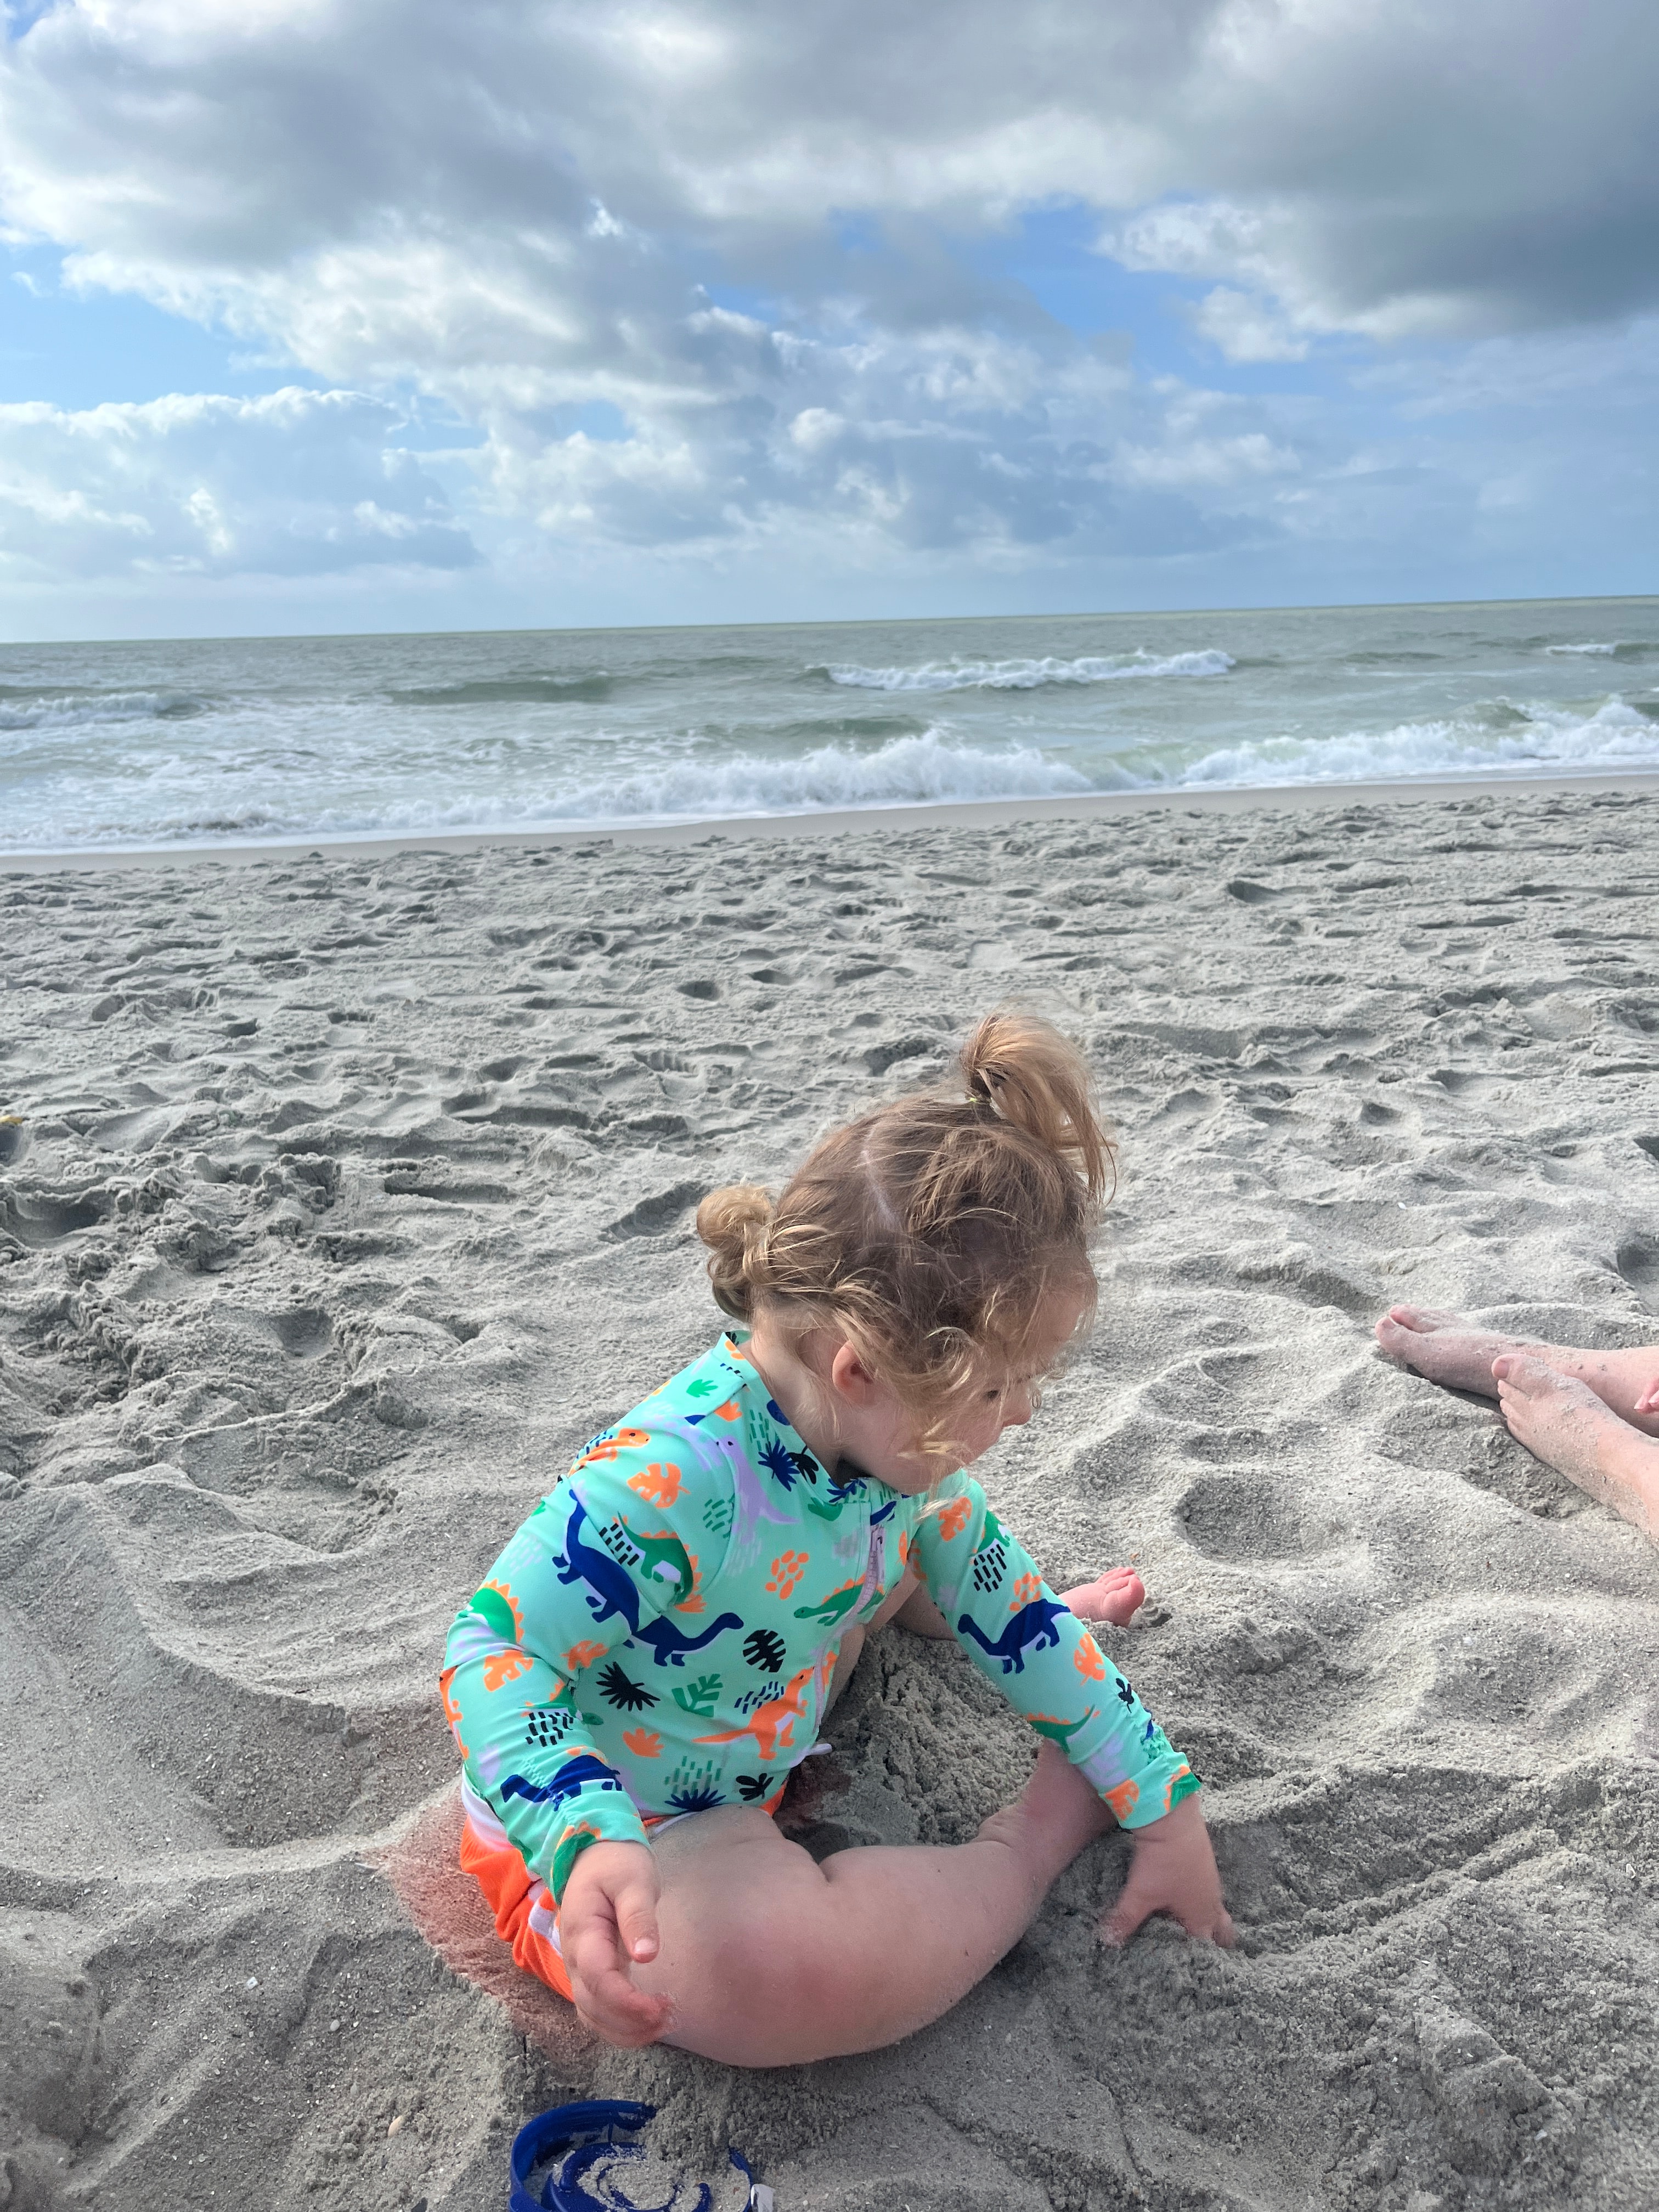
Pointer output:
x,y
350,1194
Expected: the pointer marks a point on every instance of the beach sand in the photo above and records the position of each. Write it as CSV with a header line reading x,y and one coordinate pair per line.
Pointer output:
x,y
350,1194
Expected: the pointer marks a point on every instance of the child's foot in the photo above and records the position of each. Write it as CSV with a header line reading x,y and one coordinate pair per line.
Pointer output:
x,y
1115,1597
1442,1347
1563,1422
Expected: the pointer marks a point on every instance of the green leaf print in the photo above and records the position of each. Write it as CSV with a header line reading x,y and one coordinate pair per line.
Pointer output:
x,y
699,1697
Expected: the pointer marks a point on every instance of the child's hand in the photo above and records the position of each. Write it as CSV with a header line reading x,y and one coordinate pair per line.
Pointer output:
x,y
1647,1401
1173,1871
607,1923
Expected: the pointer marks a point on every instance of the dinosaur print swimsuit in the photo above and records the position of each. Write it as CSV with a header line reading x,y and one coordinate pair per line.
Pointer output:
x,y
659,1635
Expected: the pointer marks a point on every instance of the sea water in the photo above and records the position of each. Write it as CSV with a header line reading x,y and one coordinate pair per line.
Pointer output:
x,y
267,740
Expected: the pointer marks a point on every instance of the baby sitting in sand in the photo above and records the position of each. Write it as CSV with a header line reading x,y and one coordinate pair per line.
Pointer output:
x,y
655,1648
1593,1416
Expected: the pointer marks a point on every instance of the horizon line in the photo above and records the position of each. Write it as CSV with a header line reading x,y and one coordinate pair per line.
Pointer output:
x,y
843,622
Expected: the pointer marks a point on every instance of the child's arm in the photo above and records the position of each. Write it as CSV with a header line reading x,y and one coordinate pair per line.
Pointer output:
x,y
1045,1662
572,1583
1173,1871
607,1923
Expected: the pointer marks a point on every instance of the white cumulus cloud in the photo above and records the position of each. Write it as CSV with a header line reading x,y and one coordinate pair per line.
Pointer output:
x,y
700,273
297,484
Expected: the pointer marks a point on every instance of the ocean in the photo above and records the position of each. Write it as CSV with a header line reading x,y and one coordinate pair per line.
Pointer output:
x,y
259,740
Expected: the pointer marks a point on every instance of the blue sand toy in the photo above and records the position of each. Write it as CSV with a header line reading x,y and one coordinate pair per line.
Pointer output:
x,y
572,2139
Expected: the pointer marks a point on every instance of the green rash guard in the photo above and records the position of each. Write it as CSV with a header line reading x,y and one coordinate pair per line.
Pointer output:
x,y
660,1635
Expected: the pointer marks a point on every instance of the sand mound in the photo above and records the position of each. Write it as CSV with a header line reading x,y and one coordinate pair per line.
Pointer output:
x,y
348,1196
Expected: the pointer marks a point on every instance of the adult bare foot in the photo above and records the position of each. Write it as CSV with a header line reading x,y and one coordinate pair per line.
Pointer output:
x,y
1563,1422
1115,1597
1443,1347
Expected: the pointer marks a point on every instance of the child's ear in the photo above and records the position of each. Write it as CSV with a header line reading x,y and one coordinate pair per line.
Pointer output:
x,y
851,1379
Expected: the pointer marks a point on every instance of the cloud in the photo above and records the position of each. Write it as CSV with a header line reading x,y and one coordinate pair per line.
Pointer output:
x,y
299,484
734,245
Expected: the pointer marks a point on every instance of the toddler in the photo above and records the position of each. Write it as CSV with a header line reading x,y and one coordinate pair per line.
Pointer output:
x,y
654,1651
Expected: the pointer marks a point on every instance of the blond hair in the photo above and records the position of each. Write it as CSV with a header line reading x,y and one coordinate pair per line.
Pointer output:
x,y
930,1231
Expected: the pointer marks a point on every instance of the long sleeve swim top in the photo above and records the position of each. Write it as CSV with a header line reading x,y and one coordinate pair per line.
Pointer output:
x,y
660,1635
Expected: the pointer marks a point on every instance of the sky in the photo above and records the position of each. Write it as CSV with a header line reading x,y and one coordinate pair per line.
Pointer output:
x,y
393,314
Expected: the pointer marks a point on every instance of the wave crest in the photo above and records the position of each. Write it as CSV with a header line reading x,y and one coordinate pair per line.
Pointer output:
x,y
1027,675
1618,735
67,710
910,771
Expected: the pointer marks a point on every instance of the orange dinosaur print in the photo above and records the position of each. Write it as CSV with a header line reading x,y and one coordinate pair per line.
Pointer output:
x,y
1025,1589
451,1711
772,1724
953,1516
609,1448
1180,1775
643,1742
658,1485
583,1655
787,1571
511,1603
1088,1660
505,1667
1124,1799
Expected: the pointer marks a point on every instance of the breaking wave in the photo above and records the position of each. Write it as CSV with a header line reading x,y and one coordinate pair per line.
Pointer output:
x,y
1616,736
1026,675
68,710
909,771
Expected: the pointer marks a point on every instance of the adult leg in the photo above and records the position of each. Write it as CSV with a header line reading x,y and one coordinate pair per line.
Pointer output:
x,y
772,1960
1443,1348
1565,1422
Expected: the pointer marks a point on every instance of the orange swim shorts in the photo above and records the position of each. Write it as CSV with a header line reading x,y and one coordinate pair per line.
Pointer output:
x,y
525,1915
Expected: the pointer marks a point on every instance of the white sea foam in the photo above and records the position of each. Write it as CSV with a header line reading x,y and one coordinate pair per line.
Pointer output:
x,y
910,771
1028,675
1549,738
1593,647
103,747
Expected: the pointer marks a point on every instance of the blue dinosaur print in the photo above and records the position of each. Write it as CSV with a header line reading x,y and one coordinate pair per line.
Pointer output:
x,y
1032,1628
572,1779
610,1588
670,1643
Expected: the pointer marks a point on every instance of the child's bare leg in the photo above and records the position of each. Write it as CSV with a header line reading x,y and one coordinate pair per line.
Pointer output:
x,y
1442,1347
772,1960
1565,1422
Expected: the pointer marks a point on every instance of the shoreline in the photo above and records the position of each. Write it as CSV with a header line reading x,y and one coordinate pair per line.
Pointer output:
x,y
984,813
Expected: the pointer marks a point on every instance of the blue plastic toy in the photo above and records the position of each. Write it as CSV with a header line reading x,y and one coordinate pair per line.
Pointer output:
x,y
572,2139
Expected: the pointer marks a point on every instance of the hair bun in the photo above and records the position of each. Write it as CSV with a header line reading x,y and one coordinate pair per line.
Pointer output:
x,y
734,1223
1022,1069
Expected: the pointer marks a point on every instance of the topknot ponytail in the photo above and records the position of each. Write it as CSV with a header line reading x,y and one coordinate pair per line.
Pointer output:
x,y
1039,1083
733,1222
934,1232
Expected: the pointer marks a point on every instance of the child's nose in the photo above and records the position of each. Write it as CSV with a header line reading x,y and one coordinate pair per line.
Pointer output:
x,y
1017,1409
